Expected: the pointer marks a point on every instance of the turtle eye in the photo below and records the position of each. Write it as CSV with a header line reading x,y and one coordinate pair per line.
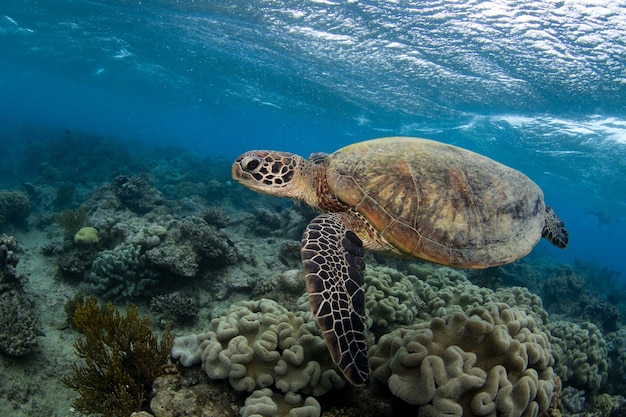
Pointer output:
x,y
250,163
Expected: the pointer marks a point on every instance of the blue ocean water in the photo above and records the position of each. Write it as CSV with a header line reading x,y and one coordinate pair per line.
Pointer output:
x,y
537,85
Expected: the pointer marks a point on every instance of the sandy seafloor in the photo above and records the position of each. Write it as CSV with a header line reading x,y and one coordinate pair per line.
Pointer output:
x,y
263,231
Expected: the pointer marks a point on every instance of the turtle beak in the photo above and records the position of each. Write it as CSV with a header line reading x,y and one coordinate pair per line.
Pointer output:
x,y
236,172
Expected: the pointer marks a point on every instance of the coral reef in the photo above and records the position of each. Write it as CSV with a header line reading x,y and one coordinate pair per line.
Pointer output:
x,y
581,354
490,359
564,291
190,246
122,359
573,400
137,192
616,344
189,394
446,290
212,247
122,274
603,314
277,221
18,333
267,403
259,344
175,308
14,207
215,216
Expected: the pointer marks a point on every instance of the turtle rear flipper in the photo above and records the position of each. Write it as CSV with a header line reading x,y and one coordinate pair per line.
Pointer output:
x,y
332,258
554,229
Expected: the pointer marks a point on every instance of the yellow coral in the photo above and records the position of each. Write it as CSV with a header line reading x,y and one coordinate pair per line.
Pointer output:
x,y
86,236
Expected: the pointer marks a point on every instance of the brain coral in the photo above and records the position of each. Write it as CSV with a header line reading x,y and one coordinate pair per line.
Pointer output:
x,y
259,344
485,361
581,354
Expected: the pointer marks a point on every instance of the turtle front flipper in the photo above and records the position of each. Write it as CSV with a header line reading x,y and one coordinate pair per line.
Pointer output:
x,y
554,229
332,258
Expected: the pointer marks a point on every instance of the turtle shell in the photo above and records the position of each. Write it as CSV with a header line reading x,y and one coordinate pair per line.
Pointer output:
x,y
438,202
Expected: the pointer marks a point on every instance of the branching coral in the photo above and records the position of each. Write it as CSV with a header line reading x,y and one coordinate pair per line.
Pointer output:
x,y
122,275
122,358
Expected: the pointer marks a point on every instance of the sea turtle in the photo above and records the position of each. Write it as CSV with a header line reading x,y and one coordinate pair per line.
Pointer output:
x,y
403,196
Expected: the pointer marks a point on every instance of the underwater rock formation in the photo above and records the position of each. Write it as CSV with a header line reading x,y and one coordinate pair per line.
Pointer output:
x,y
487,360
18,335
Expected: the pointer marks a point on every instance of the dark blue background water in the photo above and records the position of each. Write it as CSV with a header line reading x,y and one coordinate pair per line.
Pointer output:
x,y
539,85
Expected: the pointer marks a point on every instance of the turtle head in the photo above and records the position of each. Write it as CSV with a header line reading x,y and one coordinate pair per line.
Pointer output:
x,y
271,172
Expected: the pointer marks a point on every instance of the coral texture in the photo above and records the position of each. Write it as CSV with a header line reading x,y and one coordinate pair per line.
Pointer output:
x,y
573,400
446,290
137,192
488,360
581,354
259,344
122,274
18,334
190,246
389,297
267,403
616,343
14,207
190,395
174,307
